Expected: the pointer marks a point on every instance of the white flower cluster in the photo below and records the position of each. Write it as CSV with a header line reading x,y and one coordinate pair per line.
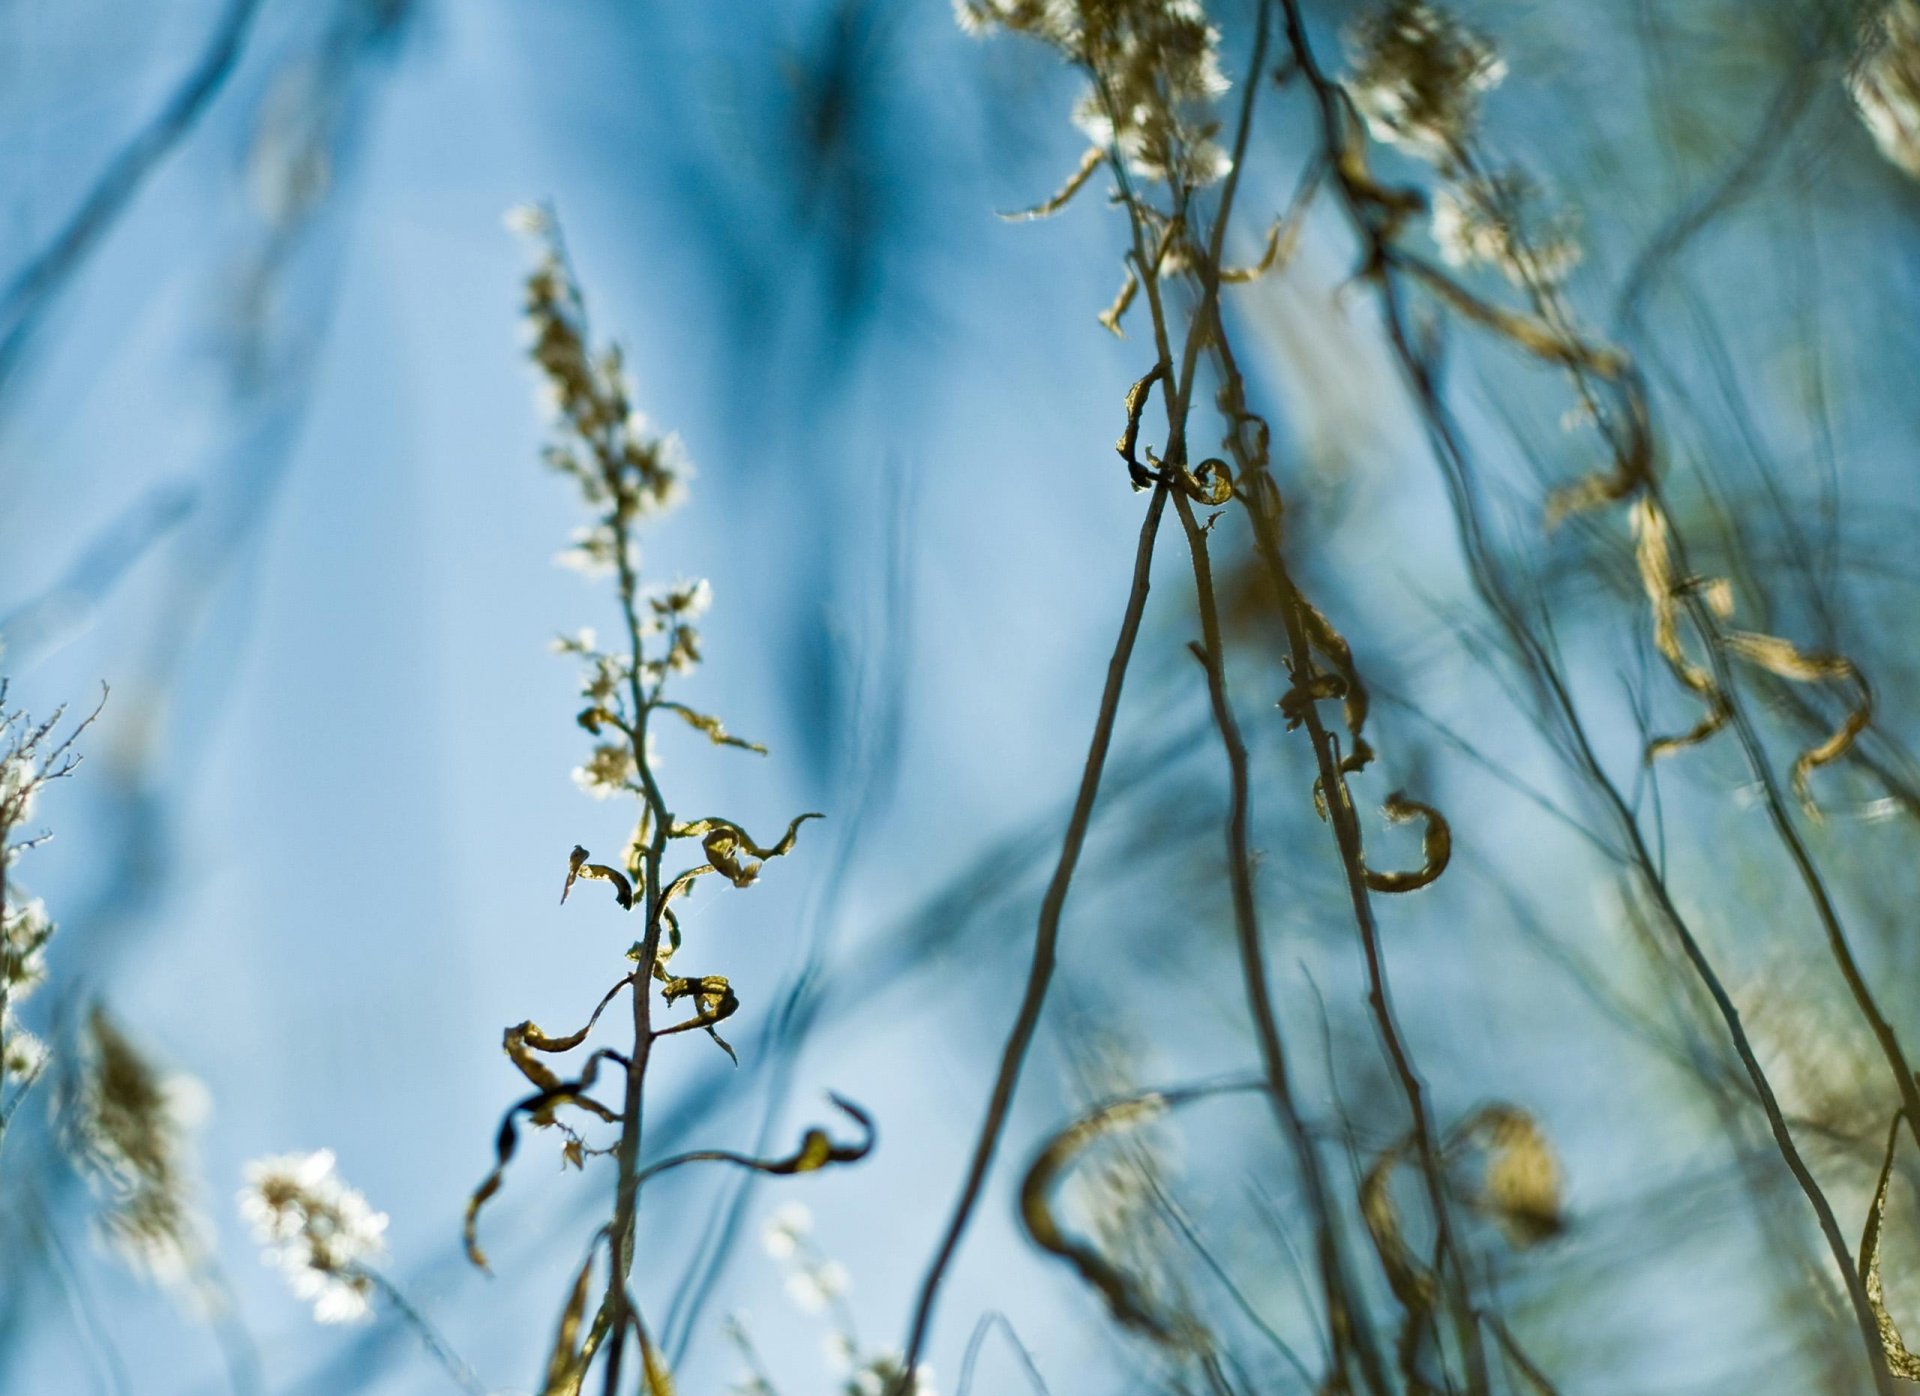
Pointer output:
x,y
814,1283
1494,222
19,783
609,771
24,932
1418,76
317,1229
1885,83
817,1284
31,755
1155,66
622,468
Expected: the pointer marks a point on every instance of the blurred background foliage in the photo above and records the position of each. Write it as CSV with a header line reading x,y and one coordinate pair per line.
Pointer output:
x,y
269,459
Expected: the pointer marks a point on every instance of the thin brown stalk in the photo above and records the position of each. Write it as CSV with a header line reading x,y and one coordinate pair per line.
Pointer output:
x,y
1542,668
1046,938
1344,1315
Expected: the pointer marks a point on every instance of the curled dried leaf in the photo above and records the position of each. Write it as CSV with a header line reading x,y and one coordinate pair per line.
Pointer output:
x,y
1436,846
1536,337
540,1108
1075,182
575,861
1136,403
817,1150
1344,683
1653,553
1411,1282
714,729
1521,1186
731,852
594,718
1284,234
1210,483
1632,468
1900,1359
712,994
1124,1299
565,1369
1780,658
524,1039
683,884
1110,317
578,867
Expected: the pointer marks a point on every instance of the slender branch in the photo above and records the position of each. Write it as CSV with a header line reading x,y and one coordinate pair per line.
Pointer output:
x,y
1344,1315
1046,938
1544,671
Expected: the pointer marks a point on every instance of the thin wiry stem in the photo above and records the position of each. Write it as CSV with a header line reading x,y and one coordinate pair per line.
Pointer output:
x,y
435,1342
1046,939
988,1321
1544,671
1346,1318
620,1241
1816,888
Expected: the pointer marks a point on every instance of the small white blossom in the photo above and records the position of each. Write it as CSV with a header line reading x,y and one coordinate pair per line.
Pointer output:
x,y
23,1055
317,1229
593,552
1156,66
841,1351
685,600
1493,222
785,1229
19,783
609,771
24,933
1418,76
528,220
817,1286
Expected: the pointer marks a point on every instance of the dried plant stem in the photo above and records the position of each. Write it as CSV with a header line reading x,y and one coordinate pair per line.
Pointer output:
x,y
1809,874
1544,671
1551,306
431,1337
620,1236
1347,1319
1046,940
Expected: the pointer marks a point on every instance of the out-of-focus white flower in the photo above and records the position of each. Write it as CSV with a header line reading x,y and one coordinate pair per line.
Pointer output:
x,y
609,771
814,1287
1885,83
23,1055
315,1228
841,1351
24,933
685,600
1156,70
785,1229
19,782
528,220
1495,222
1418,76
594,551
